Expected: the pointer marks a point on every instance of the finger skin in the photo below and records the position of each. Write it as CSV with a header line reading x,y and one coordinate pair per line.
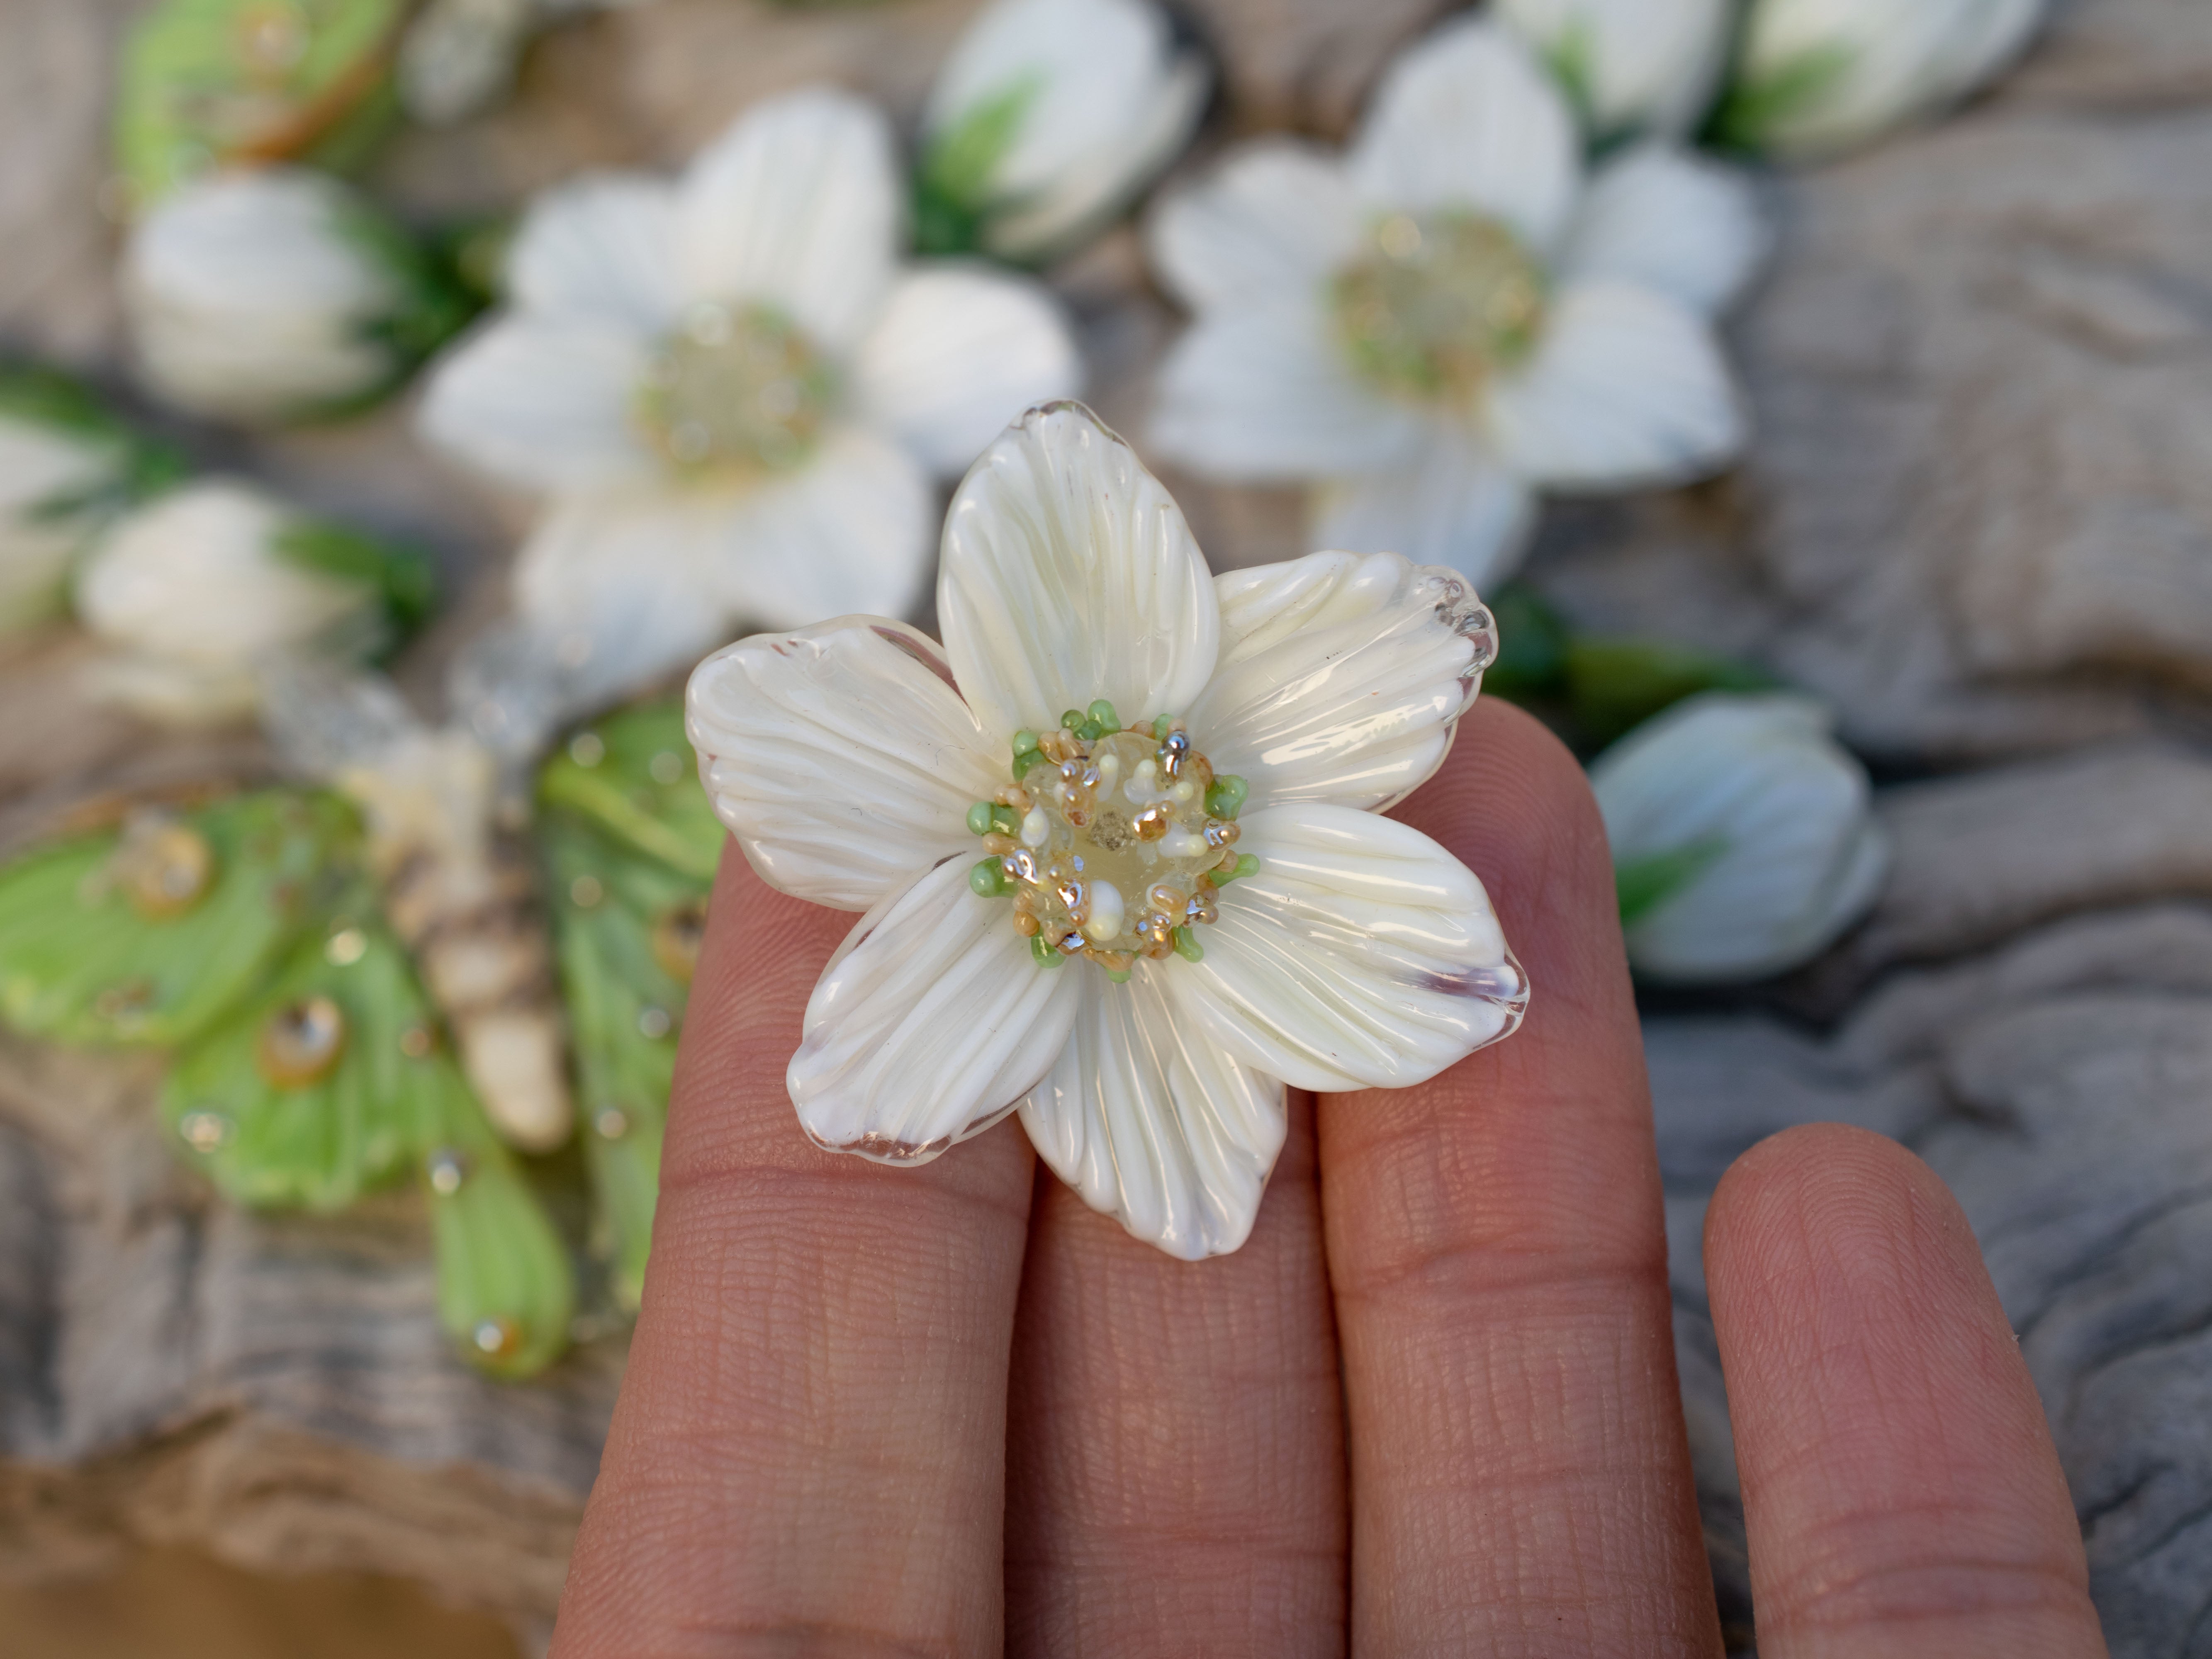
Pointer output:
x,y
1175,1468
807,1455
1520,1474
1901,1492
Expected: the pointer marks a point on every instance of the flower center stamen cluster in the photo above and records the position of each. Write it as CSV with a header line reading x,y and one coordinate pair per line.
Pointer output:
x,y
735,391
1112,842
1438,304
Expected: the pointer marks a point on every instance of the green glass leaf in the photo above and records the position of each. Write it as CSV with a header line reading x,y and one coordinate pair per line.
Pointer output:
x,y
953,184
1532,637
506,1289
207,82
625,934
92,950
311,1139
633,776
403,577
46,397
1615,685
1756,107
1643,885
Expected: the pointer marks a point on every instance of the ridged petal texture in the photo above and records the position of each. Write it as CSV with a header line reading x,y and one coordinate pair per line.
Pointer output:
x,y
1147,1118
929,1027
1069,575
840,756
1341,676
1363,955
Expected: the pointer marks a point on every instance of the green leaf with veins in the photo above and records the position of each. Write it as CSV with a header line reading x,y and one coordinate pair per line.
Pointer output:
x,y
633,776
625,929
1643,885
391,1101
955,182
83,960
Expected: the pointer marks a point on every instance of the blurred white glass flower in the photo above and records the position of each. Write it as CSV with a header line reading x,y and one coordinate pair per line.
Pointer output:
x,y
1048,117
729,390
1742,837
58,486
200,589
276,295
1098,968
1451,316
1820,76
1630,65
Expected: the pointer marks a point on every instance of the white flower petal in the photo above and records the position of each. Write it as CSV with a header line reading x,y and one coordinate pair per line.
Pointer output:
x,y
1627,389
958,350
847,533
840,756
1630,64
1273,222
928,1027
1455,506
796,205
1148,1119
1666,219
1467,119
1264,394
1361,955
622,583
1341,677
599,250
1069,575
545,406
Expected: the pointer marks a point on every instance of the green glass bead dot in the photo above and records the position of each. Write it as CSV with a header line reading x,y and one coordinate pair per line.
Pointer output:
x,y
1070,720
1188,947
988,879
1162,725
1045,954
1006,820
1247,864
1120,978
979,818
1102,711
1091,731
1025,743
1225,799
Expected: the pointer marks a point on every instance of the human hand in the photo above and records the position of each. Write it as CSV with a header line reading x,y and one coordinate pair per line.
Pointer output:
x,y
1430,1407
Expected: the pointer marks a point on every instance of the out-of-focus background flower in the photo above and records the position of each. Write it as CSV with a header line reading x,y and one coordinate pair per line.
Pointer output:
x,y
396,397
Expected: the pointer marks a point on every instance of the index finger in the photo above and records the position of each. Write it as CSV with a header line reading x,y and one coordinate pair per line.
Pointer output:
x,y
1520,1474
810,1444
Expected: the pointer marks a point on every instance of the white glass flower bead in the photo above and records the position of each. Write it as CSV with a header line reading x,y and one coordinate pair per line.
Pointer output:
x,y
1820,76
264,296
1451,316
1118,842
54,487
729,390
1742,835
1630,65
196,593
1048,118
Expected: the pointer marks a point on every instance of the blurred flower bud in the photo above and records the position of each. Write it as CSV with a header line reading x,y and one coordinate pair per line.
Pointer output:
x,y
1629,65
1819,77
272,295
200,590
1743,840
1049,116
205,84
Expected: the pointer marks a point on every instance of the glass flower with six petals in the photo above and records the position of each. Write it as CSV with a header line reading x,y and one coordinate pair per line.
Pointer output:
x,y
1118,842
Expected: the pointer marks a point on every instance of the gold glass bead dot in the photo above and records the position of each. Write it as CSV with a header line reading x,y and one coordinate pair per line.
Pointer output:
x,y
301,1041
677,933
447,1169
205,1132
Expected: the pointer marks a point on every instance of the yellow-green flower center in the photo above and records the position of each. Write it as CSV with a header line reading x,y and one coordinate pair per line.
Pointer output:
x,y
1113,843
735,391
1438,303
